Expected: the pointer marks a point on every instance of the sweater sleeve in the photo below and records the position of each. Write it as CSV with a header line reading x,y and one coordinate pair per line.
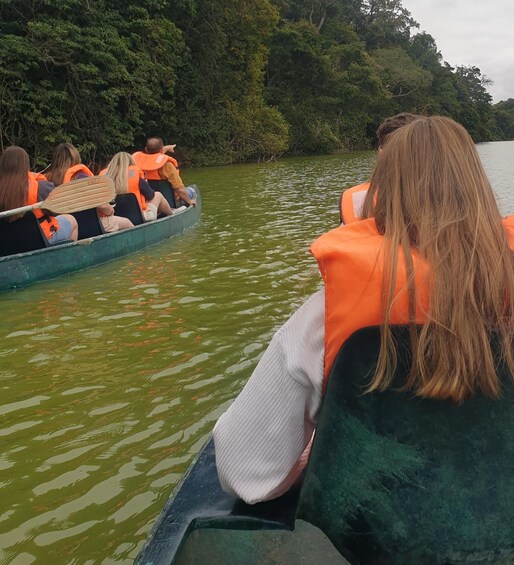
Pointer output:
x,y
146,190
44,188
169,172
260,439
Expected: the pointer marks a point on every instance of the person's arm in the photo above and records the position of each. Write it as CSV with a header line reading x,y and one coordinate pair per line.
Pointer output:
x,y
260,439
170,173
44,188
105,209
146,190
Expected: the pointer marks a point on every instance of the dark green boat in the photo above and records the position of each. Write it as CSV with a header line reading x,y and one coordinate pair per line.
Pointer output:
x,y
22,269
391,479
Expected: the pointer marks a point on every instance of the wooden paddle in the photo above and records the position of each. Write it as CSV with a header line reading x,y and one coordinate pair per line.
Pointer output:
x,y
73,196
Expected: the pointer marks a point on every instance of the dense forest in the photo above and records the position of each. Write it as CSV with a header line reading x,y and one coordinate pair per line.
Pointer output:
x,y
228,80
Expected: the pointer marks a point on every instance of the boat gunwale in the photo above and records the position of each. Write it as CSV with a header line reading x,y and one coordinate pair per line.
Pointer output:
x,y
89,240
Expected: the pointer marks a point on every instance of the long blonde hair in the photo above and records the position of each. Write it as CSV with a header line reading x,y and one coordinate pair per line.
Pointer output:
x,y
118,170
430,193
65,156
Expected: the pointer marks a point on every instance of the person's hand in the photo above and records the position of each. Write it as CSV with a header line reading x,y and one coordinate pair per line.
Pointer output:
x,y
169,148
106,209
192,202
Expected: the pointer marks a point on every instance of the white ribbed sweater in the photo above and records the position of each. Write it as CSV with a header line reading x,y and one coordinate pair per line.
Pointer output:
x,y
260,439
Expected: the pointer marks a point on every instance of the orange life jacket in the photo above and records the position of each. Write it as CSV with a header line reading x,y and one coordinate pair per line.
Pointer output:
x,y
72,171
134,173
151,163
351,203
351,263
49,225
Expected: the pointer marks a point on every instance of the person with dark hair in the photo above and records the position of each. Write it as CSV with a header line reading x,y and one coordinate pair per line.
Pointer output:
x,y
391,124
66,165
158,166
431,252
352,199
19,187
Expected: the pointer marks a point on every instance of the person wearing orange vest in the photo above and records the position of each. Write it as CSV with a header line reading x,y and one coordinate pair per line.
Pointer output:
x,y
66,166
431,249
19,187
128,177
351,200
156,165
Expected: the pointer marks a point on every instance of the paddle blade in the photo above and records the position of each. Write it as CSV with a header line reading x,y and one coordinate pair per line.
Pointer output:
x,y
80,194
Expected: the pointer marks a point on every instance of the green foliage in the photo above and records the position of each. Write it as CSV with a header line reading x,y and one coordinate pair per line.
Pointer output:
x,y
385,23
259,131
475,110
329,95
91,74
503,119
401,76
222,117
228,80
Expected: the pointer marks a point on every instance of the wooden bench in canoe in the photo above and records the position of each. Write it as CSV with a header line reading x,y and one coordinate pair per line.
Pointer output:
x,y
19,270
391,479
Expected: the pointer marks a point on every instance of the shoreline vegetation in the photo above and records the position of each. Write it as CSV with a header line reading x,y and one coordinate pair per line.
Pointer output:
x,y
229,81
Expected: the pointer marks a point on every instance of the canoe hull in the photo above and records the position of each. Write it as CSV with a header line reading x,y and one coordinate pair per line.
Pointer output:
x,y
23,269
202,524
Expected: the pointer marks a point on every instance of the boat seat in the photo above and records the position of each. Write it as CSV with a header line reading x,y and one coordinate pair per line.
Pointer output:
x,y
21,236
89,223
128,207
391,478
164,187
394,478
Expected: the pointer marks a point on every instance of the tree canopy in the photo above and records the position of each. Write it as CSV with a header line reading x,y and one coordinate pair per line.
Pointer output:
x,y
229,80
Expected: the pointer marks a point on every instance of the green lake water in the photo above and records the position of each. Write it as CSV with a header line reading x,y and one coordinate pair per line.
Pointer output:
x,y
111,379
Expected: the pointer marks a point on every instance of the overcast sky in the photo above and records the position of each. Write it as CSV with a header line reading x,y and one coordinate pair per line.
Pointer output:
x,y
468,32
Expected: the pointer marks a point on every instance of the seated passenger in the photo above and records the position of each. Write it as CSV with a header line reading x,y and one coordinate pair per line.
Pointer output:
x,y
128,177
352,199
432,249
66,166
19,187
158,166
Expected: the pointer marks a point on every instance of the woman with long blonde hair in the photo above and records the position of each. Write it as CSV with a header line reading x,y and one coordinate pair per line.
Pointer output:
x,y
436,201
432,250
128,177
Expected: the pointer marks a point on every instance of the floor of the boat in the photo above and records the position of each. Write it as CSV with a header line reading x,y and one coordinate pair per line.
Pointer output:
x,y
307,545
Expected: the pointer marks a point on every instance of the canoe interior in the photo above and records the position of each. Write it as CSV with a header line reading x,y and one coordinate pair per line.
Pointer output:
x,y
23,269
306,545
199,503
392,479
203,524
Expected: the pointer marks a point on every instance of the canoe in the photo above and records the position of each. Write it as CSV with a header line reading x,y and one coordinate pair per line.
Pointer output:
x,y
23,269
391,479
202,524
